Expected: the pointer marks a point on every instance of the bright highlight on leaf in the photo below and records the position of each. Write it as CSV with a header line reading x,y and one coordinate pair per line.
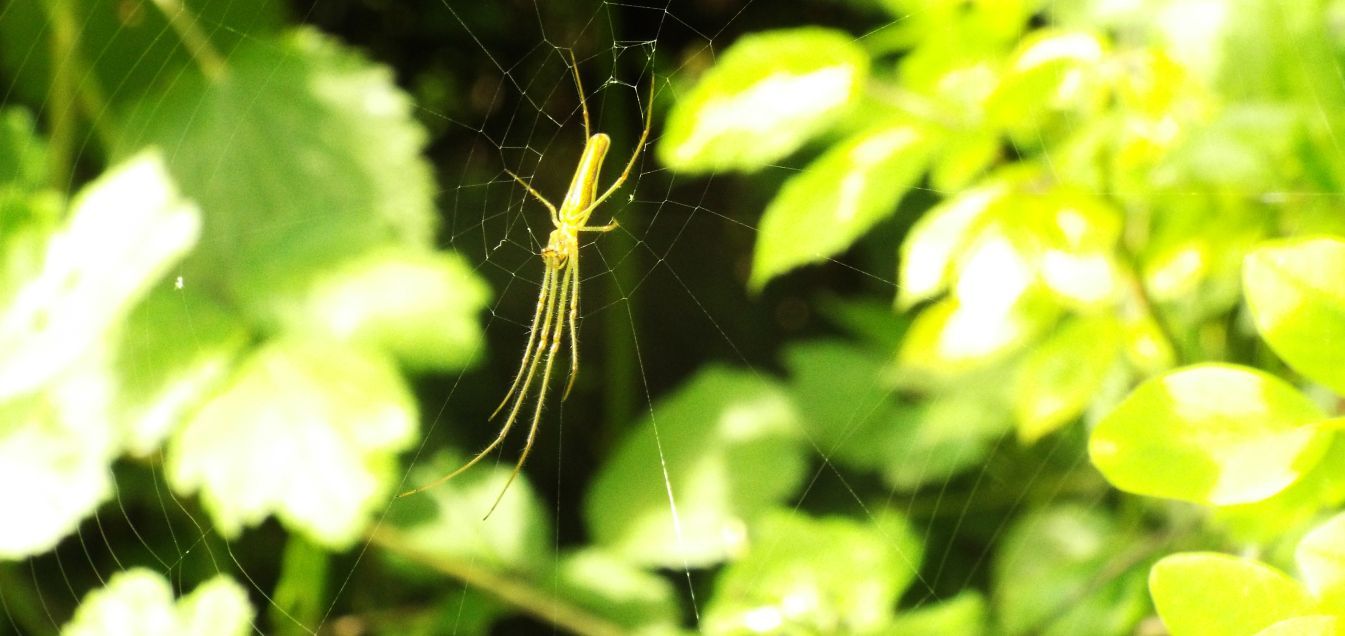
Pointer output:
x,y
837,198
1321,560
1296,292
307,431
140,601
1213,433
1209,594
770,93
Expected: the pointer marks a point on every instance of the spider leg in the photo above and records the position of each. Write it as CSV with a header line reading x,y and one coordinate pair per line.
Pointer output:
x,y
547,298
532,338
630,165
574,328
569,278
555,216
579,86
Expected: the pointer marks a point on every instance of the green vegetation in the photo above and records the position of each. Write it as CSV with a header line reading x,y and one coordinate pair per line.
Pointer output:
x,y
995,316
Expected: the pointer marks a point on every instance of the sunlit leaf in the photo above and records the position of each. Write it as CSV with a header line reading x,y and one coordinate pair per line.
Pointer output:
x,y
55,451
1047,575
729,444
1316,625
446,520
963,614
1051,71
307,430
767,95
828,575
941,437
176,349
1321,488
935,241
1295,296
1199,593
1211,433
420,306
301,155
123,233
1321,560
1060,377
951,337
640,601
836,199
140,601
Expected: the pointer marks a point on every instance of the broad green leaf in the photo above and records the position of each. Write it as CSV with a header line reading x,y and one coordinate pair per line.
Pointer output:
x,y
1316,625
1210,433
768,95
806,575
639,601
941,437
23,154
140,601
307,430
417,305
1060,377
1046,575
351,175
936,240
1264,521
123,232
837,198
1052,71
729,445
176,349
1321,560
55,450
1295,296
1199,593
964,614
846,408
951,337
445,521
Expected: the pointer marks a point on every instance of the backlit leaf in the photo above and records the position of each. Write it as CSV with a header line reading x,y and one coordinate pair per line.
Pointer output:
x,y
1295,295
1204,593
1211,433
140,601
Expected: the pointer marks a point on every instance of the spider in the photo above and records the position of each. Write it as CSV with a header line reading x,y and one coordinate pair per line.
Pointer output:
x,y
560,284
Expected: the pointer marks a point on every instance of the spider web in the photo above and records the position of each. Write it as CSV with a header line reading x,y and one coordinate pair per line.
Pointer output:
x,y
663,297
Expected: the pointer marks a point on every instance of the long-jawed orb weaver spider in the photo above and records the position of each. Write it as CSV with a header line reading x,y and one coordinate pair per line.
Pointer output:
x,y
560,284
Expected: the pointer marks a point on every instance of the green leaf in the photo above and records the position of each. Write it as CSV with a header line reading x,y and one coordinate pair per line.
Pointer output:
x,y
1198,593
964,614
1321,560
1046,576
417,305
307,430
55,450
140,601
445,522
1211,433
729,444
770,93
942,437
1295,296
163,375
349,178
1060,377
637,600
846,408
1317,625
837,198
825,576
1051,72
1291,508
23,154
938,237
123,233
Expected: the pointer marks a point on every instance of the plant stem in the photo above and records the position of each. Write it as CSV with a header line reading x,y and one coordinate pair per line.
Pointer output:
x,y
513,591
61,95
197,43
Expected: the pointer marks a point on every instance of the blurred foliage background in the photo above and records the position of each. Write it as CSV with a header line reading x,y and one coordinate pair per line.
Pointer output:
x,y
924,317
